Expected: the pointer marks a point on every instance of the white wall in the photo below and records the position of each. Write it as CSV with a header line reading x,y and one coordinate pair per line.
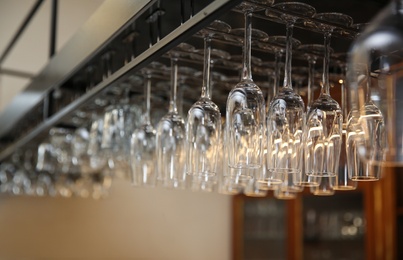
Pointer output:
x,y
132,223
129,224
31,52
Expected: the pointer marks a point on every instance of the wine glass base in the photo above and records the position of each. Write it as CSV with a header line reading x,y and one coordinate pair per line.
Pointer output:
x,y
323,193
321,174
344,188
365,178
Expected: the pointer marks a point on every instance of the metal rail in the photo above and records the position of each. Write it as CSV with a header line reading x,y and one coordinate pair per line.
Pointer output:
x,y
55,73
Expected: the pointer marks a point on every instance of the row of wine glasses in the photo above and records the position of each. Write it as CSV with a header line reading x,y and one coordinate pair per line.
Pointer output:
x,y
286,150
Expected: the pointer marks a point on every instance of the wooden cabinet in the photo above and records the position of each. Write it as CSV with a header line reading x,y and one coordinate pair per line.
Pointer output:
x,y
360,224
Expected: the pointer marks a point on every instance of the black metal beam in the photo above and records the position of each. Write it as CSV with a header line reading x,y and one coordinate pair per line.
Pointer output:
x,y
20,30
53,28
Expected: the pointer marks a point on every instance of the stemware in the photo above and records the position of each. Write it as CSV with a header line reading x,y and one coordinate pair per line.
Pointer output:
x,y
203,127
114,141
171,134
359,169
325,119
325,187
143,141
370,54
94,159
286,116
245,108
343,180
311,52
372,123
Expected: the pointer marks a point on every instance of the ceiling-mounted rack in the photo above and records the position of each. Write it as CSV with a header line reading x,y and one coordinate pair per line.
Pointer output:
x,y
97,57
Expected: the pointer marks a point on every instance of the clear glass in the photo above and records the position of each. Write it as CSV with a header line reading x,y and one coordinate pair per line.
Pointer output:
x,y
253,189
94,160
325,187
114,141
358,168
325,119
171,135
203,126
143,144
375,78
245,112
286,116
343,180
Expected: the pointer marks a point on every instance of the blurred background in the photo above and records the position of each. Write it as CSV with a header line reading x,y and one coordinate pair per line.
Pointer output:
x,y
128,224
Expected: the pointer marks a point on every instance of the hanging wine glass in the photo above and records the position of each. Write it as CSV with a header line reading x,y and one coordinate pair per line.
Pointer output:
x,y
171,133
143,139
343,180
203,127
311,52
286,116
325,186
366,120
372,121
245,108
325,119
378,50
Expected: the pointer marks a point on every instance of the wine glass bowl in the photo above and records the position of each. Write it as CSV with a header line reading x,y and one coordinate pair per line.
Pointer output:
x,y
203,127
171,132
253,5
143,141
245,111
286,114
294,12
325,120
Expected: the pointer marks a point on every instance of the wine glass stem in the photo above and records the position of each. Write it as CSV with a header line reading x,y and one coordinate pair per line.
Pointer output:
x,y
344,97
311,80
277,58
368,86
344,101
174,85
247,52
326,60
206,89
275,76
147,104
288,55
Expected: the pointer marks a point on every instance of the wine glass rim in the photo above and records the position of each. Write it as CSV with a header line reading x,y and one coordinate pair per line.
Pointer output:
x,y
326,16
256,34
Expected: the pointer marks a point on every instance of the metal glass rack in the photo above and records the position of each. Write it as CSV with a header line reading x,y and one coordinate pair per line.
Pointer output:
x,y
121,38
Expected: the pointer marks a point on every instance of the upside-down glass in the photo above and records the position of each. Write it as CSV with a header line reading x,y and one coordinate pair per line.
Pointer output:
x,y
378,49
325,186
203,126
286,116
245,109
171,134
270,179
358,168
343,180
143,143
325,119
